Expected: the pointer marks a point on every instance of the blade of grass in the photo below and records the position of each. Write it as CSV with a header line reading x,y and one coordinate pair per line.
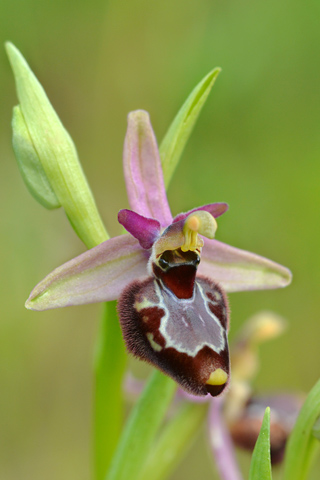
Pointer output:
x,y
260,468
302,445
175,439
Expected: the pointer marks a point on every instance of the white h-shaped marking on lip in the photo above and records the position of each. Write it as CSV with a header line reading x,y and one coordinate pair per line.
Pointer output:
x,y
165,318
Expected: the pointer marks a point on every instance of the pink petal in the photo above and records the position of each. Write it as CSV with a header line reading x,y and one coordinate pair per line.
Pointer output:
x,y
142,170
98,275
216,209
145,230
238,270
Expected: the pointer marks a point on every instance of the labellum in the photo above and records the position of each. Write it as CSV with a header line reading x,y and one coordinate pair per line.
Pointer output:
x,y
175,320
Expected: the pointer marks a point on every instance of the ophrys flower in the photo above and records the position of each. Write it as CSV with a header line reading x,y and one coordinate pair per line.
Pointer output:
x,y
173,310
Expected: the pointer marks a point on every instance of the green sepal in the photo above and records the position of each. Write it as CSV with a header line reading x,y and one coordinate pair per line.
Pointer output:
x,y
180,129
303,445
56,153
29,163
260,468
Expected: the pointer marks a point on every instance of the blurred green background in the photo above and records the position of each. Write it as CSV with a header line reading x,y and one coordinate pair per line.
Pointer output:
x,y
256,146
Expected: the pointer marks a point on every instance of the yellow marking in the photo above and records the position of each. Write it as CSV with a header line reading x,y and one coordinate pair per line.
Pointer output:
x,y
153,344
144,304
218,377
218,296
145,318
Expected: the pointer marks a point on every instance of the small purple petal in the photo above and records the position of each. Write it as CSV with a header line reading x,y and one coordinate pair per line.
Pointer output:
x,y
145,230
98,275
238,270
216,209
221,443
142,170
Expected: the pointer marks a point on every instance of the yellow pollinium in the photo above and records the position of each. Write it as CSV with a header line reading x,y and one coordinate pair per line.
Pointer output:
x,y
218,377
200,222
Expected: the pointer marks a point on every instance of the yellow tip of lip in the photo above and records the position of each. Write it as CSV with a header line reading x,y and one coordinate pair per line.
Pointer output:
x,y
218,377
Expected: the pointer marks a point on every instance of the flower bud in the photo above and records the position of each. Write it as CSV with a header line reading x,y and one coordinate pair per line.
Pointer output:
x,y
47,156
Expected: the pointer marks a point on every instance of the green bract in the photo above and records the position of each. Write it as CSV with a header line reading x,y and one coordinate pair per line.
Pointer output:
x,y
47,156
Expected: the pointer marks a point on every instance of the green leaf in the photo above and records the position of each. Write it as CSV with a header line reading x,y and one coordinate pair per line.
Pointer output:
x,y
56,152
173,442
141,428
29,163
179,131
260,468
302,445
109,367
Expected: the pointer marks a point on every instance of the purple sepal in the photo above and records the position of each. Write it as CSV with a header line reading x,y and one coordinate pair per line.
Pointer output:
x,y
97,275
145,230
215,209
142,170
237,270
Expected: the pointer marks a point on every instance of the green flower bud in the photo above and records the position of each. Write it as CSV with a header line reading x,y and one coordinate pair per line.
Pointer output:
x,y
47,156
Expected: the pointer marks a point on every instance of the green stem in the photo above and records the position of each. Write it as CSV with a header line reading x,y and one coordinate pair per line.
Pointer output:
x,y
175,439
109,368
141,428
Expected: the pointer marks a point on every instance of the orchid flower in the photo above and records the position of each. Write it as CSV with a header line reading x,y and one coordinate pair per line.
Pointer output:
x,y
169,274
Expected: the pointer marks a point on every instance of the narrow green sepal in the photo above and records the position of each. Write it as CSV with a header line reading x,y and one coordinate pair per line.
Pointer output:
x,y
56,153
303,445
29,163
180,129
260,467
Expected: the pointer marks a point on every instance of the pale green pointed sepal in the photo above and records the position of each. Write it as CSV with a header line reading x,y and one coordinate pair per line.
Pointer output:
x,y
260,467
57,159
29,163
180,129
